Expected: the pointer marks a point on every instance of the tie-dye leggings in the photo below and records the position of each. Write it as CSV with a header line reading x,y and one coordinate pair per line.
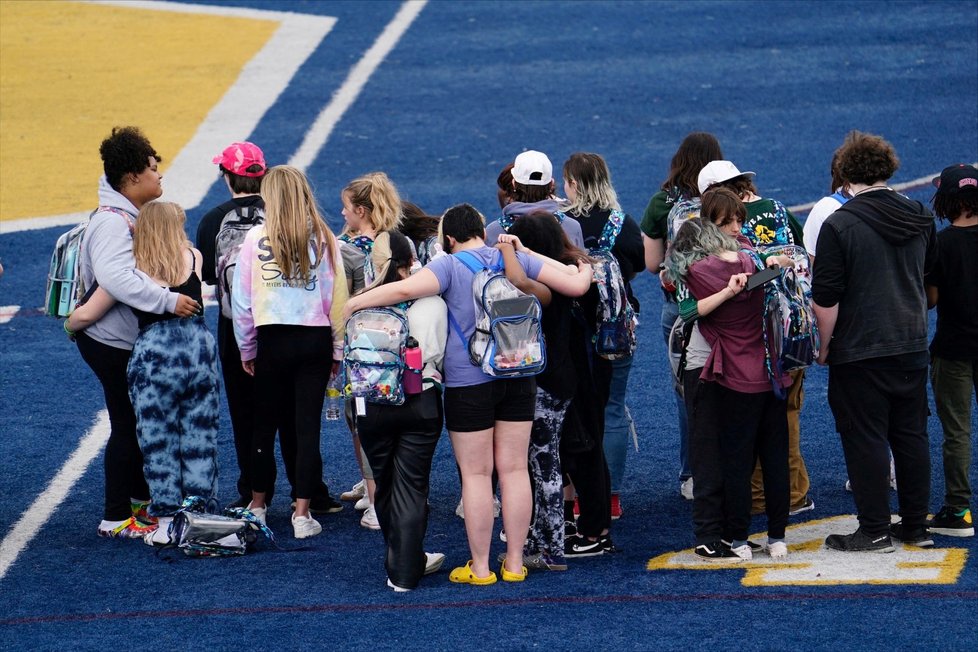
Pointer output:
x,y
547,529
174,387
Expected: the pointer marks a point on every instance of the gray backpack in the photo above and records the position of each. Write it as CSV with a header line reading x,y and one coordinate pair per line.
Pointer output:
x,y
234,227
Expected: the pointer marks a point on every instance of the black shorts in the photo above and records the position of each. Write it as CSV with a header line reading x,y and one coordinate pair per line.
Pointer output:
x,y
479,407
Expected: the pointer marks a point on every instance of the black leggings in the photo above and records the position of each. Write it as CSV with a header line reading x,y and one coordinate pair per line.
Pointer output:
x,y
292,370
123,460
400,442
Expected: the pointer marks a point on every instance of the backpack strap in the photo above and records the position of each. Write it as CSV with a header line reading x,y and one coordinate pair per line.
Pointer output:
x,y
612,228
126,215
839,197
475,265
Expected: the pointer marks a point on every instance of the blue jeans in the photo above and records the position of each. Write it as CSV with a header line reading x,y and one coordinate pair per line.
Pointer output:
x,y
670,311
617,422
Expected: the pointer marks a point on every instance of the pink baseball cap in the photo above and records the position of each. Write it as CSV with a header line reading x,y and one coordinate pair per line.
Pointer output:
x,y
238,157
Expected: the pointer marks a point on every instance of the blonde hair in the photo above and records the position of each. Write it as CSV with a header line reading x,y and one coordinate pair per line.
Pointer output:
x,y
159,243
593,184
293,221
376,193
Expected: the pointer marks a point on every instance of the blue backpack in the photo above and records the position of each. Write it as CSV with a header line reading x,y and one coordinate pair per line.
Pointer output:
x,y
508,340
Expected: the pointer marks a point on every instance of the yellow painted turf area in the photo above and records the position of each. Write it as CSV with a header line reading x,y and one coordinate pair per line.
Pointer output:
x,y
70,71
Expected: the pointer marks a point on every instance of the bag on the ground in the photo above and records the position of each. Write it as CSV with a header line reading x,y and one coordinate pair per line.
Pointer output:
x,y
227,245
65,287
790,329
200,534
508,339
373,355
614,335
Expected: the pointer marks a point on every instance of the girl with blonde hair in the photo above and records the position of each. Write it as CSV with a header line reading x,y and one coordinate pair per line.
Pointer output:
x,y
172,374
371,206
289,292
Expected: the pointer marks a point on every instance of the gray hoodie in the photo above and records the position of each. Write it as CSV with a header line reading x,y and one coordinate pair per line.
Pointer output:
x,y
106,255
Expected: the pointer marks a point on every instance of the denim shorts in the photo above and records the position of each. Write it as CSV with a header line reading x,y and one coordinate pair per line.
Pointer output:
x,y
479,407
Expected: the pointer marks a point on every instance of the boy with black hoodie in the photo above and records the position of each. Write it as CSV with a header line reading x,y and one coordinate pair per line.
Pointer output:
x,y
868,291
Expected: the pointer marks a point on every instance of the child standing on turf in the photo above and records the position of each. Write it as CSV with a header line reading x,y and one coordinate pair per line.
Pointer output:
x,y
172,374
371,206
289,292
953,288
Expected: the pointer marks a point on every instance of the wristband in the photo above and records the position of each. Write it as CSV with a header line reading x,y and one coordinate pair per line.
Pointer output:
x,y
70,333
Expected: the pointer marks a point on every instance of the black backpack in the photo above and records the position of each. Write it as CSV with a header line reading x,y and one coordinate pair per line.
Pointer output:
x,y
234,227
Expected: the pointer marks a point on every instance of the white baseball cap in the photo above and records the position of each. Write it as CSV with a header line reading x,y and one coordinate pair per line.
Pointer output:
x,y
533,168
718,172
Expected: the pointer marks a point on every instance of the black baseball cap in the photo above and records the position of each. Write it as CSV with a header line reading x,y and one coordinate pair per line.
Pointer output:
x,y
957,180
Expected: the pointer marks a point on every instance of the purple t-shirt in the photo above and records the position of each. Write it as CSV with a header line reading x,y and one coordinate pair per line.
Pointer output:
x,y
455,287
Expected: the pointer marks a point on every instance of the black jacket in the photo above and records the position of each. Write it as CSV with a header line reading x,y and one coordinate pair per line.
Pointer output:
x,y
873,255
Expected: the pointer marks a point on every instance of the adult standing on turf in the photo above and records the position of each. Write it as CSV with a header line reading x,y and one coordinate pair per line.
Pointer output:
x,y
592,200
242,167
953,288
533,190
769,224
696,150
873,254
131,179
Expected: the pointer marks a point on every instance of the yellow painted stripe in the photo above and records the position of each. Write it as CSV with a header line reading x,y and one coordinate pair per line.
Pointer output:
x,y
69,72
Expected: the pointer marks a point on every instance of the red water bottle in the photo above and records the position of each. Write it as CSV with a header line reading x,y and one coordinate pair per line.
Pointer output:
x,y
412,367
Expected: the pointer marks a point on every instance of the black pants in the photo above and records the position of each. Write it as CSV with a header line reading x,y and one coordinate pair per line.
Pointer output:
x,y
292,370
587,468
123,460
876,411
400,443
728,432
240,390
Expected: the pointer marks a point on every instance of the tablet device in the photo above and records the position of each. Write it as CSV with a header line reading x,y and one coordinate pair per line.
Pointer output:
x,y
766,275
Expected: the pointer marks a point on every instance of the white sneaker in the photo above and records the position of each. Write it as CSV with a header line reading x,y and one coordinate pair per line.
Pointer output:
x,y
161,535
848,485
432,562
397,589
497,507
356,492
362,504
305,526
369,519
743,551
459,510
777,550
259,512
686,488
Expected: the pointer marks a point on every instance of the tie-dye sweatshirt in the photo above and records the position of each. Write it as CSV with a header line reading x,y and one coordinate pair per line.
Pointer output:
x,y
260,295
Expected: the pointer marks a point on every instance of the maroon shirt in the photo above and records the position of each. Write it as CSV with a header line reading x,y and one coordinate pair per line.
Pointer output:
x,y
734,330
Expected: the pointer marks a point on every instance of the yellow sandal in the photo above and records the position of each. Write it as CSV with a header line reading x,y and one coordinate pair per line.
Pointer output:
x,y
512,577
464,575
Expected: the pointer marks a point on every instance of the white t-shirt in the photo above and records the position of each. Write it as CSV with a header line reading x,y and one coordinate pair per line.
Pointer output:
x,y
820,211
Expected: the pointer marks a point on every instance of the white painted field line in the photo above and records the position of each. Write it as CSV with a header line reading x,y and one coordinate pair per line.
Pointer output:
x,y
899,187
191,174
37,514
347,94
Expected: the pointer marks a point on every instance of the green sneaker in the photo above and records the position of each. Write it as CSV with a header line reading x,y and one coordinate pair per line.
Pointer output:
x,y
952,522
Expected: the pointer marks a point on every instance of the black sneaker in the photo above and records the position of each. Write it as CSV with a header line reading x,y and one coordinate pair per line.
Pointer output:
x,y
952,522
914,536
608,545
579,546
806,505
715,551
570,529
859,541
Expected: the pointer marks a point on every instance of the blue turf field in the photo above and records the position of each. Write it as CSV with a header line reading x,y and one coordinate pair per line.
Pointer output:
x,y
468,86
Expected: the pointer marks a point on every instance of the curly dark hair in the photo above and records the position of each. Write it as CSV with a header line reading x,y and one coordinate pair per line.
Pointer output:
x,y
126,151
242,184
865,158
951,207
